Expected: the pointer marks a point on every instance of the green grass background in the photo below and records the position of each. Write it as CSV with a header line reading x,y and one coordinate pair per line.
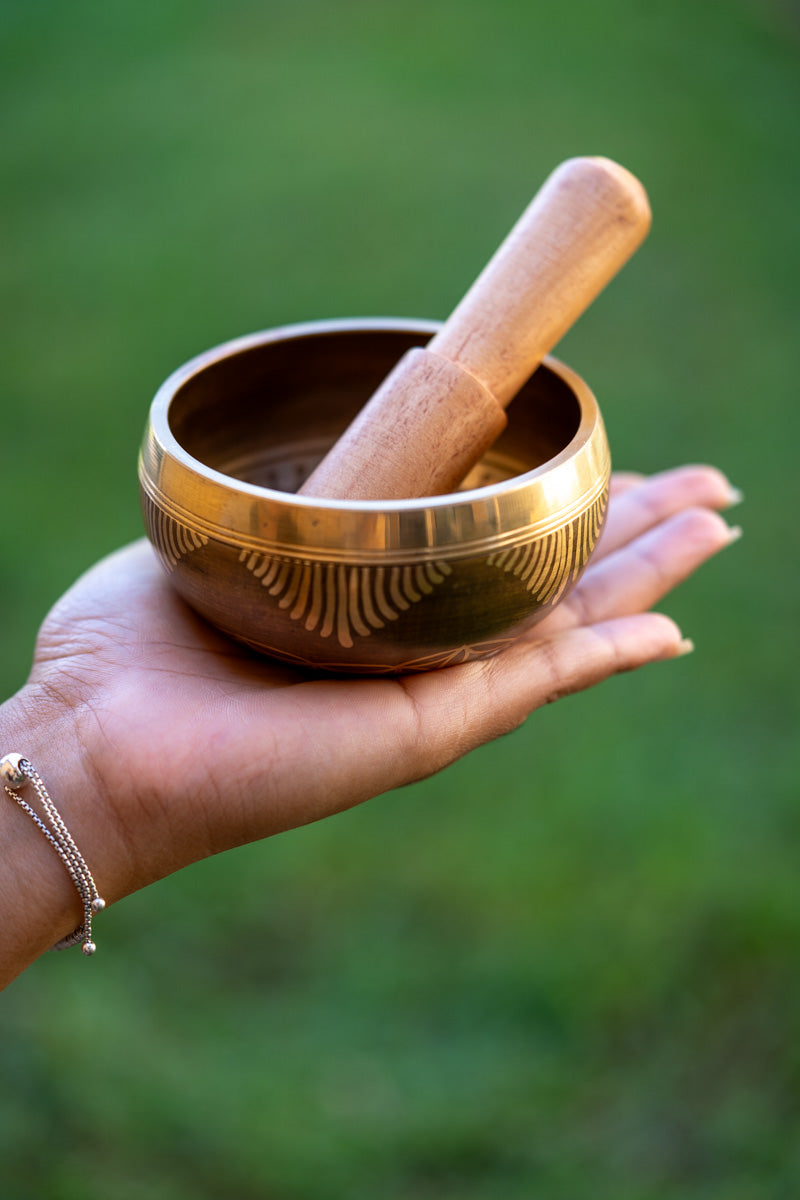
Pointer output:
x,y
568,967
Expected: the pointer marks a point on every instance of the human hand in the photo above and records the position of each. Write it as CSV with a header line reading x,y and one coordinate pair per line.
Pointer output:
x,y
179,744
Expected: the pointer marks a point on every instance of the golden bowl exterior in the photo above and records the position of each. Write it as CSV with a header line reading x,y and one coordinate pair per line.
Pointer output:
x,y
362,586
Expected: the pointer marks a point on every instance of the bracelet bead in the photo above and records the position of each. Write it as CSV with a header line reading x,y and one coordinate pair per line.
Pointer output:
x,y
11,775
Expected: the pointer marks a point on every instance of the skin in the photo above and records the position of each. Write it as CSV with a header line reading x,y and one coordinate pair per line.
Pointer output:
x,y
162,742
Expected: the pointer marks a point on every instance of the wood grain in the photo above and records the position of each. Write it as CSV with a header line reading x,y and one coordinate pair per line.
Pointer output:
x,y
438,411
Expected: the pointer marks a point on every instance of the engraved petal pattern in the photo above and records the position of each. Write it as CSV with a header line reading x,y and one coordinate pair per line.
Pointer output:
x,y
342,600
548,565
171,539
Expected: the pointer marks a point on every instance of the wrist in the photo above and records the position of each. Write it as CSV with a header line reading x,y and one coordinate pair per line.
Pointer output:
x,y
39,903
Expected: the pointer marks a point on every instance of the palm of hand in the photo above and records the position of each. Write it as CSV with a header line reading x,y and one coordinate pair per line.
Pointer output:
x,y
210,746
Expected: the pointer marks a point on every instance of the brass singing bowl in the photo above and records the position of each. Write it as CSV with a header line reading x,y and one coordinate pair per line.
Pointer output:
x,y
362,586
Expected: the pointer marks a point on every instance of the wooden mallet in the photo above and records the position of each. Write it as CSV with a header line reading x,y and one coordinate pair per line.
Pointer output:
x,y
442,406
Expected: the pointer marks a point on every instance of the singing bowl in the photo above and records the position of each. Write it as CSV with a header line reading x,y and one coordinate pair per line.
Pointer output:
x,y
362,586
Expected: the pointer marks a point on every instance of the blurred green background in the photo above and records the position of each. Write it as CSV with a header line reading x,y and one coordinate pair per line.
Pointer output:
x,y
569,966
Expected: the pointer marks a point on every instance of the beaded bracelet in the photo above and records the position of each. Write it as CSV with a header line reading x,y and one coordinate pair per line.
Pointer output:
x,y
15,772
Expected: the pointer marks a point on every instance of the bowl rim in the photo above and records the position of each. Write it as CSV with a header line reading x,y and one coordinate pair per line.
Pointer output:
x,y
457,510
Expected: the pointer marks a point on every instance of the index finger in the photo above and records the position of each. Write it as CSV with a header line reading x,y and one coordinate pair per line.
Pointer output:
x,y
638,506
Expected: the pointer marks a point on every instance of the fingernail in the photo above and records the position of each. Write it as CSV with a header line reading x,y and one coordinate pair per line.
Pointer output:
x,y
734,533
735,496
685,646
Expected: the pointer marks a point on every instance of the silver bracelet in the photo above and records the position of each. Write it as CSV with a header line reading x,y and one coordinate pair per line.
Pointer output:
x,y
15,773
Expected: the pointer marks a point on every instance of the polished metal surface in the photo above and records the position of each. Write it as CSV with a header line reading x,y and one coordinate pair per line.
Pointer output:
x,y
362,585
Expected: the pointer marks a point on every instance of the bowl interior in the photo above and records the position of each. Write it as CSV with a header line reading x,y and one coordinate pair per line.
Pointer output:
x,y
268,413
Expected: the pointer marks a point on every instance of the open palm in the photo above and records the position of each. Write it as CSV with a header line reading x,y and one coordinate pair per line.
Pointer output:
x,y
194,744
